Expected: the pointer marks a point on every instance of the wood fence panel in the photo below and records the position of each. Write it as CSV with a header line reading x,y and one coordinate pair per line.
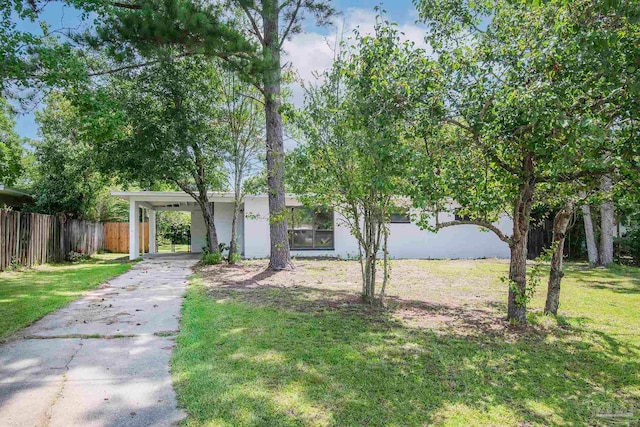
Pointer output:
x,y
28,239
116,235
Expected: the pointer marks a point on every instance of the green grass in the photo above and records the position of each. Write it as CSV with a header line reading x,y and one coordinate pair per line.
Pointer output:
x,y
274,356
179,248
26,296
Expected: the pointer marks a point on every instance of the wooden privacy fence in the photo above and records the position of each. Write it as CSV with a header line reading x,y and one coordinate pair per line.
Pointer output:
x,y
116,237
28,239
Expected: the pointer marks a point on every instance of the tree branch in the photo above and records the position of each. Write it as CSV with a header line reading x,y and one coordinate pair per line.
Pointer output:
x,y
127,6
476,139
291,22
479,223
254,25
133,66
123,68
459,124
577,175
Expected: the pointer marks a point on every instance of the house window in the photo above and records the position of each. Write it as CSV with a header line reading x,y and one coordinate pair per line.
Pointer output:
x,y
310,228
459,217
399,215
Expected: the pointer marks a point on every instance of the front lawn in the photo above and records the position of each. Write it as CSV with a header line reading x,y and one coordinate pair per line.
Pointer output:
x,y
173,248
26,296
296,348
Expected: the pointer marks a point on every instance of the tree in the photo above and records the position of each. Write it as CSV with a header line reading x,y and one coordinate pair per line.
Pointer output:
x,y
354,153
31,64
528,100
563,199
271,38
173,227
67,180
241,117
10,146
560,225
163,124
250,41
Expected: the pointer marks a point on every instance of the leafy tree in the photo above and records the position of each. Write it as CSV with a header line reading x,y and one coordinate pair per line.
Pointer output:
x,y
353,153
10,146
173,227
31,64
250,41
531,95
163,124
67,180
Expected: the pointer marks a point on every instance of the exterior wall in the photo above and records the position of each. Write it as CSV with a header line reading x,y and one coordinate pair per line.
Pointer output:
x,y
461,241
223,217
405,240
256,227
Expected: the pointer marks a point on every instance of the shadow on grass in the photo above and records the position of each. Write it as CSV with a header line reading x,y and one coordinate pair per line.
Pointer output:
x,y
254,355
633,288
616,278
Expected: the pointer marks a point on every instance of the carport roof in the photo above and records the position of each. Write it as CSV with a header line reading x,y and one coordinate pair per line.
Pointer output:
x,y
172,199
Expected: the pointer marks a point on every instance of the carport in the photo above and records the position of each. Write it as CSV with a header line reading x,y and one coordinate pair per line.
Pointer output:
x,y
150,202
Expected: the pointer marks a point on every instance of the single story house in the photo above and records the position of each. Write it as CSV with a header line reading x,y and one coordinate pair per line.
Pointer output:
x,y
313,233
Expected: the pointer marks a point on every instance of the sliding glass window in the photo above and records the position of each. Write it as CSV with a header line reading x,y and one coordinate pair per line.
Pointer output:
x,y
310,228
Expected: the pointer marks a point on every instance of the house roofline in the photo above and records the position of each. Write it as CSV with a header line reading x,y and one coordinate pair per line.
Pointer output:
x,y
160,194
14,192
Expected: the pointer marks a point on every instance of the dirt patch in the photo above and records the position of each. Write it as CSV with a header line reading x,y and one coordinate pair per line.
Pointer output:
x,y
460,296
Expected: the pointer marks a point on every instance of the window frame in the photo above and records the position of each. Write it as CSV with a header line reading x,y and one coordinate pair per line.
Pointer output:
x,y
291,230
407,214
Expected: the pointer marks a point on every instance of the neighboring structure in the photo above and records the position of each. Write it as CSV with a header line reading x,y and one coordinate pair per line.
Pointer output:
x,y
14,198
312,233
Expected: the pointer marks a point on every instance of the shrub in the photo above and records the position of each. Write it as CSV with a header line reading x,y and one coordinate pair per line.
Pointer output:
x,y
76,256
235,258
14,265
211,259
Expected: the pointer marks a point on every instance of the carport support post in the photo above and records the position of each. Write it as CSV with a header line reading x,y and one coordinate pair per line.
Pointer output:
x,y
152,231
134,229
143,240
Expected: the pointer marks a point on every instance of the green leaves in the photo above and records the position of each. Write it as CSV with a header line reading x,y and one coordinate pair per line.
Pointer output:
x,y
10,146
358,126
552,81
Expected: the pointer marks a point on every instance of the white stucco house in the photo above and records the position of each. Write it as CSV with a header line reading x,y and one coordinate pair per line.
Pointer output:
x,y
312,233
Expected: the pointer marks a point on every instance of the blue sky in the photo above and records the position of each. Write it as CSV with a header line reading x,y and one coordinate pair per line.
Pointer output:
x,y
307,52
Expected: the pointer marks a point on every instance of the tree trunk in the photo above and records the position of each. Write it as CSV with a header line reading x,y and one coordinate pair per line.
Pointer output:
x,y
234,238
370,248
362,269
212,235
592,248
517,300
385,261
202,198
517,305
607,222
370,277
560,225
280,257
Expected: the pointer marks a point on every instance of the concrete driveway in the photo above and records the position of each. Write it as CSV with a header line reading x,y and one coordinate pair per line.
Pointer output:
x,y
104,359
